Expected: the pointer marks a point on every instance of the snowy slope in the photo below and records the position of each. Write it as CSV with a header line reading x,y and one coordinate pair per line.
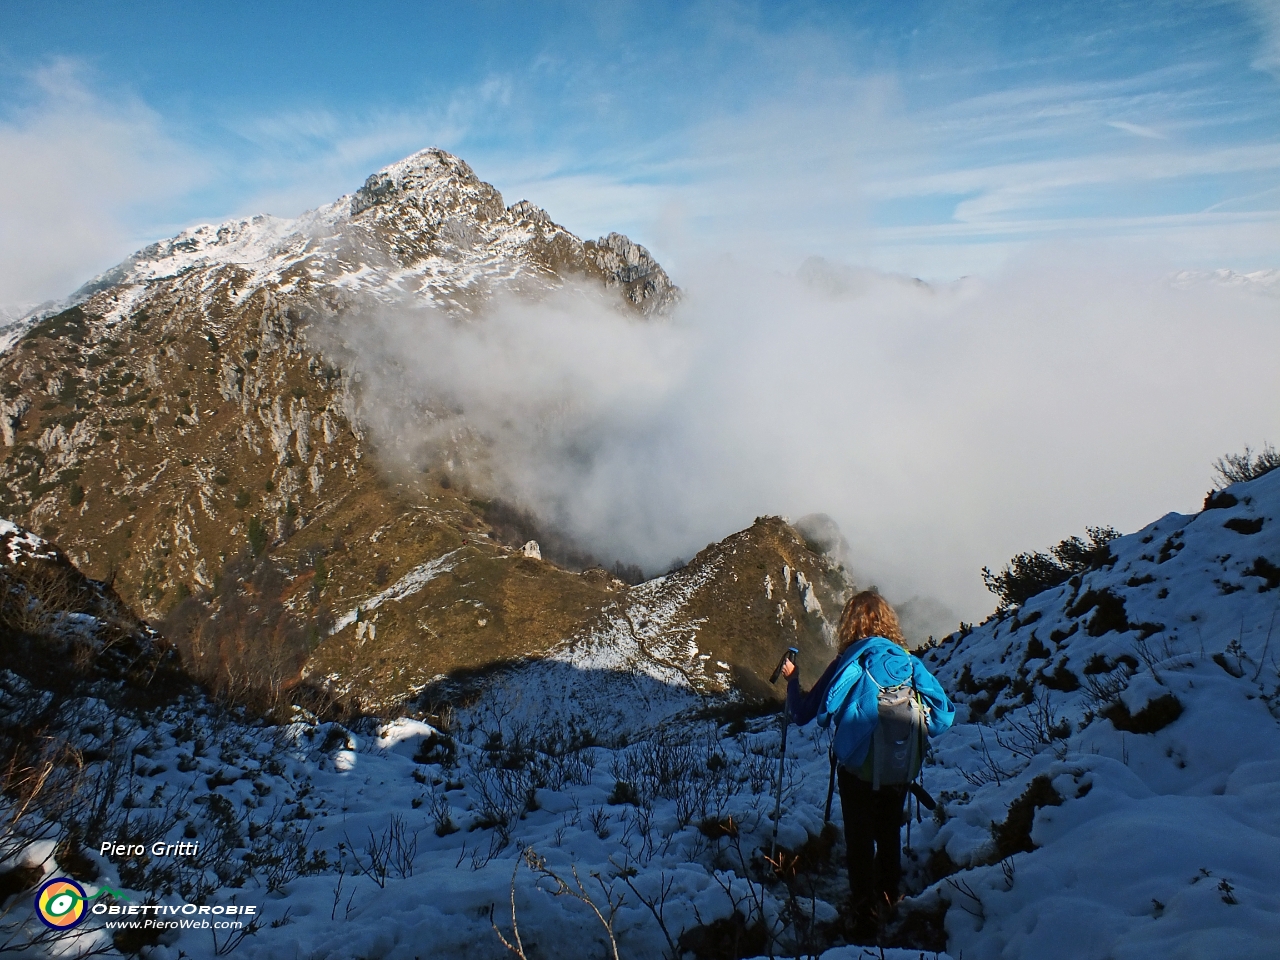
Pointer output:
x,y
1165,842
1064,829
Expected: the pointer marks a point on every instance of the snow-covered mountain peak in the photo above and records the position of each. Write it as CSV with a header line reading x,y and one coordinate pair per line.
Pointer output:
x,y
425,227
1256,281
428,175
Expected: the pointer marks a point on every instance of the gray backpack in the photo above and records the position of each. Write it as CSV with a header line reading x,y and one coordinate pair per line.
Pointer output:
x,y
897,744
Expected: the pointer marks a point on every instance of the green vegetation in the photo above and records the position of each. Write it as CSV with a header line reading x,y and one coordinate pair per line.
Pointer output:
x,y
1109,613
1014,835
257,536
69,325
1028,574
1155,714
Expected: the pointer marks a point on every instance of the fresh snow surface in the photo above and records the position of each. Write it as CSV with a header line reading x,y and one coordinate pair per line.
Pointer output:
x,y
1162,844
11,332
1165,843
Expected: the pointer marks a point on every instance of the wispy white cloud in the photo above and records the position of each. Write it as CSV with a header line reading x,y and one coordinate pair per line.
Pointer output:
x,y
784,138
1137,130
82,172
1268,14
299,159
832,160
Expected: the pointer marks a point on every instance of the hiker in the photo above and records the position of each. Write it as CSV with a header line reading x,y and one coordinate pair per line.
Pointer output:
x,y
873,658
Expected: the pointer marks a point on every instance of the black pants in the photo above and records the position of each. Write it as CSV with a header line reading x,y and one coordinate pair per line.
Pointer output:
x,y
873,834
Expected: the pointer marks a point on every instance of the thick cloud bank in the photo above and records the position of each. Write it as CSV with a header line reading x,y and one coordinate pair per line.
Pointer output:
x,y
943,429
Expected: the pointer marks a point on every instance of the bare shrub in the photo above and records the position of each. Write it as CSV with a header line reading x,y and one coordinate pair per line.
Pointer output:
x,y
690,769
391,852
604,905
504,794
281,850
989,769
1040,727
1239,467
1103,689
242,641
441,813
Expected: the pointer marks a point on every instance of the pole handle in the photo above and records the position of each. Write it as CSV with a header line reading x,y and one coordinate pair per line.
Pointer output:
x,y
791,654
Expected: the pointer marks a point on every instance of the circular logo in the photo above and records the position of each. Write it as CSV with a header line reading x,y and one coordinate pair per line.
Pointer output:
x,y
60,903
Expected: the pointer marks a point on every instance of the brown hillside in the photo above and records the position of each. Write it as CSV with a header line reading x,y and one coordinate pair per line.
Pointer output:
x,y
178,432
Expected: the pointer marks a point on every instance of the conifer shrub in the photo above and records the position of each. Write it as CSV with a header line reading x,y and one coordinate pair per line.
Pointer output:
x,y
1268,571
1098,663
1109,612
1029,574
1020,621
939,866
728,938
1242,526
436,748
1062,678
1036,650
981,693
1014,835
921,927
257,534
1218,500
624,793
1155,715
1057,636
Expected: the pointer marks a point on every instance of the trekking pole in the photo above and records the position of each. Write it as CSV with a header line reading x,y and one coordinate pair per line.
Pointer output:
x,y
831,787
782,752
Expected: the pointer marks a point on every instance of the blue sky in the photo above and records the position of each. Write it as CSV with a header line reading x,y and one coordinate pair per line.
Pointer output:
x,y
933,138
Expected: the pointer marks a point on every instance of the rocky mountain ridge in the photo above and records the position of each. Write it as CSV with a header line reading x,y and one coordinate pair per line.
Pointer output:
x,y
425,228
180,432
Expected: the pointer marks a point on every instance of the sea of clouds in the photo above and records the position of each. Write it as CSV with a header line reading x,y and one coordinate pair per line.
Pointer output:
x,y
944,428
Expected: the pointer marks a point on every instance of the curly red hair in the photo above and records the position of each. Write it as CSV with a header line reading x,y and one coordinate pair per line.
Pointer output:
x,y
867,614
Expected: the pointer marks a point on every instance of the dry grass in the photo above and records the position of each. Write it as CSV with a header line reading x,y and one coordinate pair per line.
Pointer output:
x,y
742,625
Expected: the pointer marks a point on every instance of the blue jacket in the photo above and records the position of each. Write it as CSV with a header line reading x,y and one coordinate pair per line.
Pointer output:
x,y
888,665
